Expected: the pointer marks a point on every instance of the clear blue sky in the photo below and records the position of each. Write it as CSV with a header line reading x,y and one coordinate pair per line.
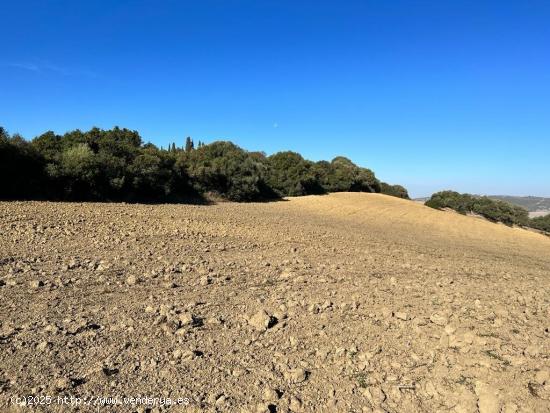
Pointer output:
x,y
430,94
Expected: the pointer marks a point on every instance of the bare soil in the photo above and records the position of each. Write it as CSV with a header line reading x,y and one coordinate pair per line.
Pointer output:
x,y
338,303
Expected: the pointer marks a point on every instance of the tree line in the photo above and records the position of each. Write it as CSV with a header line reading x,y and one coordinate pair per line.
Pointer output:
x,y
116,165
541,223
492,209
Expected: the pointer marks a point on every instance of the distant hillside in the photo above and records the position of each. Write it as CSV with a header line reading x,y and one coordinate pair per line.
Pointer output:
x,y
423,199
530,203
536,205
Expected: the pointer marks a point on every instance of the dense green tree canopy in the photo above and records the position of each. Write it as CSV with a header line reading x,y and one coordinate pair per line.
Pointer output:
x,y
542,223
394,190
494,210
115,164
21,168
291,175
224,168
344,175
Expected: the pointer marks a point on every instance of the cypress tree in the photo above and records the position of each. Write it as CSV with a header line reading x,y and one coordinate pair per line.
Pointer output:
x,y
189,145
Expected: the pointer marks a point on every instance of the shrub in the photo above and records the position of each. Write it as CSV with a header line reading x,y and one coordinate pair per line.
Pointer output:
x,y
461,203
346,176
342,175
493,210
78,171
21,168
394,190
541,223
224,168
500,211
149,176
291,175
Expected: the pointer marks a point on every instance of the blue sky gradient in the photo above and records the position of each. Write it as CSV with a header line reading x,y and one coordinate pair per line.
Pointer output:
x,y
429,94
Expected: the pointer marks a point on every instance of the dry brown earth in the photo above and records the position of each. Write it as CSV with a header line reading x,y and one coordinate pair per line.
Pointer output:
x,y
338,303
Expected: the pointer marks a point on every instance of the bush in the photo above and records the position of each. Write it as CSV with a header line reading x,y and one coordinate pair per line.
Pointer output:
x,y
22,172
228,170
150,176
394,190
500,211
541,223
342,175
449,199
79,170
291,175
493,210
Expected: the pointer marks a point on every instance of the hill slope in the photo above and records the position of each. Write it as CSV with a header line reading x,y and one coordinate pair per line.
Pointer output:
x,y
344,302
402,219
530,203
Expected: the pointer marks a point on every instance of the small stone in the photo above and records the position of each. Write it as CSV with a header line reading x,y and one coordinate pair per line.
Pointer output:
x,y
296,376
62,383
386,313
270,394
187,320
43,345
102,266
402,315
286,274
510,408
469,337
295,404
487,398
375,395
261,321
36,283
450,329
51,328
532,350
170,326
542,377
438,319
262,408
488,403
205,280
131,280
331,404
221,400
340,351
187,355
467,402
314,308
